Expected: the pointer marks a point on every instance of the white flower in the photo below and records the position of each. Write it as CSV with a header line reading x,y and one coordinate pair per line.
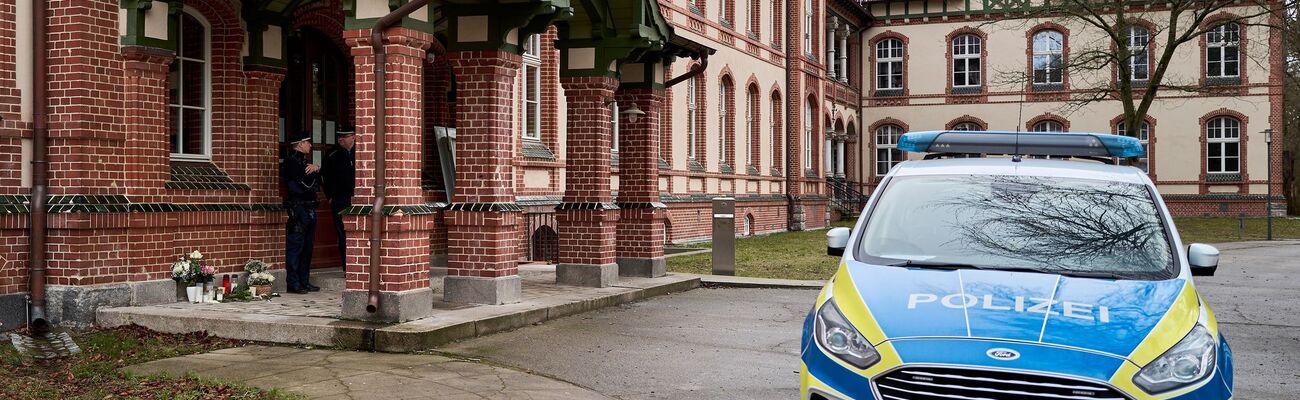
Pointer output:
x,y
180,268
196,255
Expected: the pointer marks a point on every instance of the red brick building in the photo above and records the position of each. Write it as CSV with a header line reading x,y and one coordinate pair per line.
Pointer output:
x,y
539,130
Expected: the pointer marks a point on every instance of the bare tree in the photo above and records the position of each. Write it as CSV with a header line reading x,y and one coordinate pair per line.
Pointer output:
x,y
1135,50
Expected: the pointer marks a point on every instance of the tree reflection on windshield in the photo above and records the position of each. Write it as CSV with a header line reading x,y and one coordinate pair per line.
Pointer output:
x,y
1049,224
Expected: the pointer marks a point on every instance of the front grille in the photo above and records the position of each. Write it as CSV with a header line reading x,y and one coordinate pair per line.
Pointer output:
x,y
927,383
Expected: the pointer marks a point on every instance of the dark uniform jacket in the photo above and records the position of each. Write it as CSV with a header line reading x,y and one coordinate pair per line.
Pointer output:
x,y
302,186
340,173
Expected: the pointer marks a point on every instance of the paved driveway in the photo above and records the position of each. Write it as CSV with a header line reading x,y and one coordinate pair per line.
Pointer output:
x,y
743,343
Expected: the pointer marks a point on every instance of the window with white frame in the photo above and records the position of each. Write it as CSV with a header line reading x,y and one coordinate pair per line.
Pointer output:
x,y
887,153
723,89
966,126
889,64
613,122
807,135
691,115
751,141
1138,62
966,53
1049,126
1143,135
807,26
1049,58
190,95
1222,58
1223,146
532,67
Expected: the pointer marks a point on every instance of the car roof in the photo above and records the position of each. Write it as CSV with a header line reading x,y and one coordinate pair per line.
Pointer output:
x,y
1079,169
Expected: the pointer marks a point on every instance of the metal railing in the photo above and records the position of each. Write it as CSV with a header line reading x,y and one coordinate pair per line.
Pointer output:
x,y
844,197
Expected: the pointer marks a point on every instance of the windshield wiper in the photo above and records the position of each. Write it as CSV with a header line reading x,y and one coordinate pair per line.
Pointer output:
x,y
935,265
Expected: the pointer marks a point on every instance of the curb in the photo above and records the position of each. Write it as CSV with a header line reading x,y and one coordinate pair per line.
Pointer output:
x,y
760,283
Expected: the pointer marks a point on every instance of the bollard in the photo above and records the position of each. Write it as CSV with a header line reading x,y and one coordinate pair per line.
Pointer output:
x,y
724,236
1241,225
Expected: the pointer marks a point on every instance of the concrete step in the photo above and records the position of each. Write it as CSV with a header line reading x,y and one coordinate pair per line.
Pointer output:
x,y
328,279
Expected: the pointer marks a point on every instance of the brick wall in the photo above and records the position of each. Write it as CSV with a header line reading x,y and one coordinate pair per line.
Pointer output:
x,y
693,222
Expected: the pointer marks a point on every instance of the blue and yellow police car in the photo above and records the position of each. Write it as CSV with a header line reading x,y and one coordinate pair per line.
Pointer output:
x,y
1011,265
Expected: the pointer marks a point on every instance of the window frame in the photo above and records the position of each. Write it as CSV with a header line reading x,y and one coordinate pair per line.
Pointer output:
x,y
808,24
968,59
178,104
807,135
532,60
889,148
722,120
1047,123
692,113
1135,59
1048,52
1222,143
1222,46
1143,136
896,65
614,120
971,126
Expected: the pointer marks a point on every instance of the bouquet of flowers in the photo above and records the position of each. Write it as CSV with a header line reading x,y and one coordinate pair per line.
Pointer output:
x,y
257,275
201,271
182,273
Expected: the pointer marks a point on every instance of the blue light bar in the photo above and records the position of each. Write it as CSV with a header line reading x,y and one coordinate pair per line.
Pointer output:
x,y
1022,143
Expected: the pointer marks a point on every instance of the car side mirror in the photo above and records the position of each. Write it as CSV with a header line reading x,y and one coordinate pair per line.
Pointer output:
x,y
1203,258
836,240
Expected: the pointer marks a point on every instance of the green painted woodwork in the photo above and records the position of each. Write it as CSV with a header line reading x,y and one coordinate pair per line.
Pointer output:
x,y
135,18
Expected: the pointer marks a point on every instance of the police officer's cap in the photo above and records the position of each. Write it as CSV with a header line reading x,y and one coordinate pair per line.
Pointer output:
x,y
345,131
299,137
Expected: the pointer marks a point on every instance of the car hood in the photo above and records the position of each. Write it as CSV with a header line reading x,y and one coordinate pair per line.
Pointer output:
x,y
1108,316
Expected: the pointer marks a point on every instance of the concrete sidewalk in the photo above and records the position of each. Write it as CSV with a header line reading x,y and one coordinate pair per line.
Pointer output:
x,y
352,375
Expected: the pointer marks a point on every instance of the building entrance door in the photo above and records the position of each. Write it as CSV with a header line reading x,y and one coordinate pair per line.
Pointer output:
x,y
314,99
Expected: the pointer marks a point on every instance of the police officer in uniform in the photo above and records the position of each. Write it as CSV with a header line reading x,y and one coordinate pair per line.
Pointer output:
x,y
303,181
340,169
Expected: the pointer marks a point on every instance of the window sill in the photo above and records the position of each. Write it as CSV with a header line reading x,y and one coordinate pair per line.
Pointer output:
x,y
1047,87
694,166
201,175
967,90
725,168
887,93
535,150
1223,81
1223,177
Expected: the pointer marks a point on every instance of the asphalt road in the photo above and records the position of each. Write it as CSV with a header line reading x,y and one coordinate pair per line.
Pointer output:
x,y
743,343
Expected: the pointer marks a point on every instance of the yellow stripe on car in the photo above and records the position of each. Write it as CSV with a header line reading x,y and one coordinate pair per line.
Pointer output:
x,y
1179,320
851,304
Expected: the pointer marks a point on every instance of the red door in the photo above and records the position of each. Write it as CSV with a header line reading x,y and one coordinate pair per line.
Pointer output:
x,y
313,99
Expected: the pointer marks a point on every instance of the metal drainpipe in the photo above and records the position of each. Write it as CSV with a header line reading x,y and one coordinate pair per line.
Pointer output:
x,y
377,211
696,70
40,174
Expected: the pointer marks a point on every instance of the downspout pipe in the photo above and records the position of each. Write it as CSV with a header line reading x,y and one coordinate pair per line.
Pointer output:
x,y
377,211
37,323
696,70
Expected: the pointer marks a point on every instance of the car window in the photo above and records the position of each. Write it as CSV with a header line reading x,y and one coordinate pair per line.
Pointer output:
x,y
1049,224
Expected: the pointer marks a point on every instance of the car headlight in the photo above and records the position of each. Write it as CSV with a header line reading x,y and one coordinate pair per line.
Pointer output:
x,y
835,334
1189,361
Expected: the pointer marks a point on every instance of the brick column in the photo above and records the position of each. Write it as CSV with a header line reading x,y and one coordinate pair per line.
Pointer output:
x,y
587,215
144,87
641,214
404,264
483,219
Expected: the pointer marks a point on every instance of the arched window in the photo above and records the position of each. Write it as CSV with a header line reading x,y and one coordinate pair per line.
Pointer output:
x,y
778,134
887,153
1223,146
1222,43
1049,126
726,120
966,52
889,64
752,126
692,114
613,122
190,90
1049,57
966,126
1138,62
808,135
1143,135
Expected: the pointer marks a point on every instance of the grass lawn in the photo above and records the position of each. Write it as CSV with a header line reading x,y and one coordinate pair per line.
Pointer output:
x,y
1219,230
94,374
787,255
802,255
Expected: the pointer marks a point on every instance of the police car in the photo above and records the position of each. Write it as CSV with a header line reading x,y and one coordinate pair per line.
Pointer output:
x,y
1015,266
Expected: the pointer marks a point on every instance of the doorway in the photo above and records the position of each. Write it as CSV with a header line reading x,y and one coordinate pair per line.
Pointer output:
x,y
314,99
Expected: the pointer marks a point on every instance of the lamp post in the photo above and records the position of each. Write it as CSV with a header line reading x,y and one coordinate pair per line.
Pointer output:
x,y
1268,201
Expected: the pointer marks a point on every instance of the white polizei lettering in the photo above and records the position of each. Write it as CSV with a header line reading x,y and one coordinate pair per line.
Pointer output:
x,y
1103,313
967,300
1020,303
988,304
1077,310
1043,306
918,298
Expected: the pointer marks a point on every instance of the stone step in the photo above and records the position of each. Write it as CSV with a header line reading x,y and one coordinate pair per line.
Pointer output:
x,y
328,279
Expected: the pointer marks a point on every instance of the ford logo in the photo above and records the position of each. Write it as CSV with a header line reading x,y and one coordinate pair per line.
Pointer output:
x,y
1003,354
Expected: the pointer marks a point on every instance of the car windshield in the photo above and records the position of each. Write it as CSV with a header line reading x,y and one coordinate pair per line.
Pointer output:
x,y
1047,224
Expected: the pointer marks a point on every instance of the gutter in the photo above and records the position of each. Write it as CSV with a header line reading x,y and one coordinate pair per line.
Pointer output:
x,y
37,322
377,209
696,70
